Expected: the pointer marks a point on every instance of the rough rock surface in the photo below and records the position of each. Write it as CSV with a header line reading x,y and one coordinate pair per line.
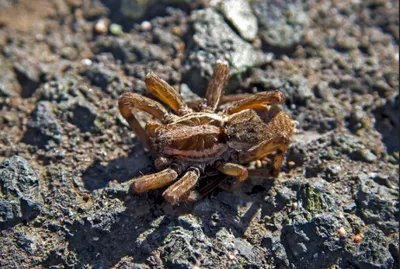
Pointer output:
x,y
20,197
282,23
67,157
241,16
213,39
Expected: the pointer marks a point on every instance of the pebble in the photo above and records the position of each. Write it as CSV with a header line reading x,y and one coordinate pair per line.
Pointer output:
x,y
101,26
358,238
146,26
86,62
366,155
342,232
116,29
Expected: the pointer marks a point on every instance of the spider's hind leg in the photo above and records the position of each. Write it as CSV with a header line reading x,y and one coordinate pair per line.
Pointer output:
x,y
257,101
182,189
280,143
155,181
233,169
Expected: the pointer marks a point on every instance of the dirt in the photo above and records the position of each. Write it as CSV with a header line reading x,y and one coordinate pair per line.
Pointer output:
x,y
67,157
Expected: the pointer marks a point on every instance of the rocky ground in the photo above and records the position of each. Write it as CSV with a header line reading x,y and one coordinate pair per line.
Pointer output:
x,y
67,155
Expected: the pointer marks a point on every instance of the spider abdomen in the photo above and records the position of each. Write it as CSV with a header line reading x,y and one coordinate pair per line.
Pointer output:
x,y
192,139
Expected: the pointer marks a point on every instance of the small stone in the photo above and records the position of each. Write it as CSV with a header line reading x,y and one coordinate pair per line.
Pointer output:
x,y
342,232
146,26
258,164
86,62
323,91
116,29
358,238
364,155
69,53
101,26
176,31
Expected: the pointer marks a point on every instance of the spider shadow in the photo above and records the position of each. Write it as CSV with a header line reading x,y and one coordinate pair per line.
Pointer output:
x,y
122,169
141,225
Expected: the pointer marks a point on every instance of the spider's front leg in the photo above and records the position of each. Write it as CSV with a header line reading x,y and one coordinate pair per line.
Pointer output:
x,y
164,92
129,100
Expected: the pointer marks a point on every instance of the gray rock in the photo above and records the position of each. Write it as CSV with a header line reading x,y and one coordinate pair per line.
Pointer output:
x,y
61,90
282,23
364,155
8,85
388,122
100,76
371,252
241,16
273,244
20,198
129,50
314,242
375,204
213,39
43,127
83,116
246,250
187,94
394,248
295,87
179,250
28,75
135,9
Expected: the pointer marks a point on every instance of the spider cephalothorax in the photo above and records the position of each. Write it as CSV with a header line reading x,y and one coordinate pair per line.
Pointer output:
x,y
189,140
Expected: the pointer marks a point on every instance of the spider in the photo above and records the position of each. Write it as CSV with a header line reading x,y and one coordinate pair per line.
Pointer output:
x,y
194,138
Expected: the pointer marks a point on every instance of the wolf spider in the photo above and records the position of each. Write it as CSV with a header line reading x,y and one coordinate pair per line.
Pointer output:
x,y
191,139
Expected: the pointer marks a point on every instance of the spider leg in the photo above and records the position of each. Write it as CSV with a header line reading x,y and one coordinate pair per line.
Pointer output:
x,y
133,100
164,92
257,101
261,172
233,169
155,181
181,190
195,104
217,84
279,144
129,100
